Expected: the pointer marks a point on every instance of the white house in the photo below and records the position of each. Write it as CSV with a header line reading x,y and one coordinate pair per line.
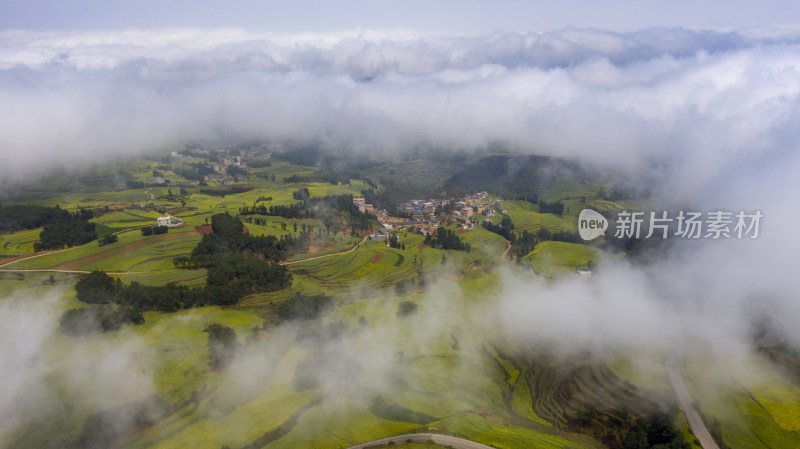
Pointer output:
x,y
165,221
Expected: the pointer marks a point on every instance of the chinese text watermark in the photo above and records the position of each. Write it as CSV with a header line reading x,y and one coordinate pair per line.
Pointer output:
x,y
685,225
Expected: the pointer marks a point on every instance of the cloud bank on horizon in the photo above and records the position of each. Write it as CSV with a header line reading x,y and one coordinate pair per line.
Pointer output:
x,y
689,104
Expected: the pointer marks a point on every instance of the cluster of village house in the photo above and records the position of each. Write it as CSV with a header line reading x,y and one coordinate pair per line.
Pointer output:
x,y
220,175
425,216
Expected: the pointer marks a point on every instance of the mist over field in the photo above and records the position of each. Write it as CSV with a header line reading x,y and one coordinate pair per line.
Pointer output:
x,y
678,107
706,120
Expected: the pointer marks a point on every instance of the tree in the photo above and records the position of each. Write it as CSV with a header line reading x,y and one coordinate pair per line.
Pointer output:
x,y
98,288
406,308
222,346
305,307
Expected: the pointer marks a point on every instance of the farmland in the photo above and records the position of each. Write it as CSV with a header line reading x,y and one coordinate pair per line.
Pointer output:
x,y
406,339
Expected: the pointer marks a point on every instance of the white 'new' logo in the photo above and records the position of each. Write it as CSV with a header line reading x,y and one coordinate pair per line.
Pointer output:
x,y
591,224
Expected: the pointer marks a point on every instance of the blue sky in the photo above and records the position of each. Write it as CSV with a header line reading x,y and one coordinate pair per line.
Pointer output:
x,y
448,16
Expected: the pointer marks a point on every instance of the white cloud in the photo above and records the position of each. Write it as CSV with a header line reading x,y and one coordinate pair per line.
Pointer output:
x,y
680,98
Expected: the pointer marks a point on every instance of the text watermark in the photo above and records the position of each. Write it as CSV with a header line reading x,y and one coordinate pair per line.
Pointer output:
x,y
685,225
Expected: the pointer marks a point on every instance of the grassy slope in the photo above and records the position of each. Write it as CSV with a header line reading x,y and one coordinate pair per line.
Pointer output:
x,y
18,243
464,389
560,258
760,411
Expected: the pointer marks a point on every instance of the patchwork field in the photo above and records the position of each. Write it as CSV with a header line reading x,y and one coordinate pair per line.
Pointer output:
x,y
404,347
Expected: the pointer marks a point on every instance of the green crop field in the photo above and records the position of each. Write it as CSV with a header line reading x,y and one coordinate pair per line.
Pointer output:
x,y
553,259
415,326
18,243
526,217
761,414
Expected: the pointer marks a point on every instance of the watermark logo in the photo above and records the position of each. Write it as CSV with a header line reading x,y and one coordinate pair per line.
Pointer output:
x,y
591,224
685,225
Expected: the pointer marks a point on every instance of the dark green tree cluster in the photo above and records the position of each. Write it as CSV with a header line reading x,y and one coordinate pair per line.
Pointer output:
x,y
111,427
503,229
302,194
290,211
304,307
523,243
556,207
18,217
154,230
99,288
222,346
656,431
229,190
406,308
234,170
73,230
232,277
229,237
92,320
229,280
330,209
445,238
194,171
107,240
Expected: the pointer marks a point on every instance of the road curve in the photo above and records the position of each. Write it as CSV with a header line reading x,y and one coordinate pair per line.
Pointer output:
x,y
47,270
673,365
357,245
453,442
505,253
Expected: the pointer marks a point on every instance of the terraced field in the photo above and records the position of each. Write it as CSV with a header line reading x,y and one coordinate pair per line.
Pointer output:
x,y
526,217
373,264
442,372
763,412
18,243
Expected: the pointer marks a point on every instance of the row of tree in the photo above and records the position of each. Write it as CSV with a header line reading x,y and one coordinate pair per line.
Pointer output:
x,y
154,230
19,217
92,320
445,238
107,240
556,207
330,209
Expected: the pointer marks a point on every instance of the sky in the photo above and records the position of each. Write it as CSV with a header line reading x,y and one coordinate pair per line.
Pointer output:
x,y
444,16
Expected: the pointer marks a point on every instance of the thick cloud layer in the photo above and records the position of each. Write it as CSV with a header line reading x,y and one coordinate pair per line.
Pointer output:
x,y
686,105
709,119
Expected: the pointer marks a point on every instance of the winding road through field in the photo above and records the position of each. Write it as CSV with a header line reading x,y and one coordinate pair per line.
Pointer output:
x,y
357,245
673,365
55,270
505,253
453,442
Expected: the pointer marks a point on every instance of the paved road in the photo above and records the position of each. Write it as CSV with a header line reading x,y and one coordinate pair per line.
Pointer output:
x,y
673,365
453,442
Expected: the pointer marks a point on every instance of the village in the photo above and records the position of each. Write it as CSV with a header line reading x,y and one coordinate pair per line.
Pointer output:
x,y
425,216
